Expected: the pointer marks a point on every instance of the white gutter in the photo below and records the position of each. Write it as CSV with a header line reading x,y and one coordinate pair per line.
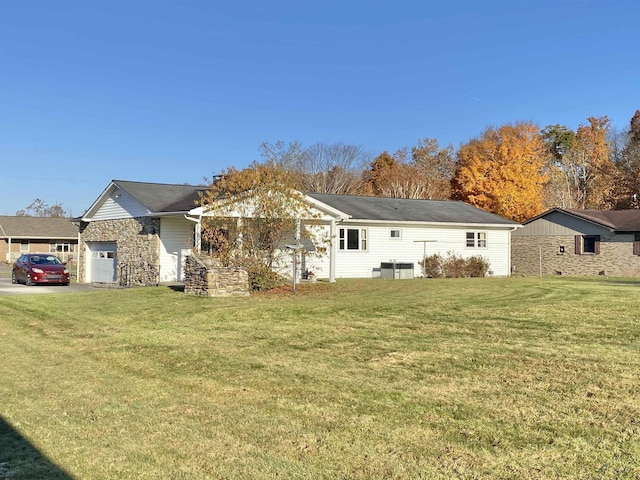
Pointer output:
x,y
432,224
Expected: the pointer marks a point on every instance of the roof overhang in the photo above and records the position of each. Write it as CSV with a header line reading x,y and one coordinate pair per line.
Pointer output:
x,y
504,226
571,214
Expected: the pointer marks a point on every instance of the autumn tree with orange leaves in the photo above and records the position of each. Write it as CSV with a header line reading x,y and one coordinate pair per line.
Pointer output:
x,y
425,173
503,171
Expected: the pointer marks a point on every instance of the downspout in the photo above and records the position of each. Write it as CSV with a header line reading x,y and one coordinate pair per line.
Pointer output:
x,y
78,262
509,251
197,241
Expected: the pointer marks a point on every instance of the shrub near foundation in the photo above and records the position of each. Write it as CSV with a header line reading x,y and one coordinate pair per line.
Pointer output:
x,y
454,266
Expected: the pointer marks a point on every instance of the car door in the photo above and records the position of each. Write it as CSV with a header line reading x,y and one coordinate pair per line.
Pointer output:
x,y
21,268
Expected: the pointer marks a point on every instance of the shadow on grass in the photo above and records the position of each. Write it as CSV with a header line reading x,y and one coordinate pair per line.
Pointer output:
x,y
19,459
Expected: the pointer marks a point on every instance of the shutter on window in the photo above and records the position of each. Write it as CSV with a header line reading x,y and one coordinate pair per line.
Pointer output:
x,y
597,245
636,247
578,245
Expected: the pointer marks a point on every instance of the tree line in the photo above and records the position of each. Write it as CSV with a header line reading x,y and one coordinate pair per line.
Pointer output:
x,y
515,170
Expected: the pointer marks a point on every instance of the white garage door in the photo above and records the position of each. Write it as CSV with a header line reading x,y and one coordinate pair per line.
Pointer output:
x,y
102,262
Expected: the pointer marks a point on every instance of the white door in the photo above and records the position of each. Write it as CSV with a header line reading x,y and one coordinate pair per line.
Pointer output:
x,y
176,242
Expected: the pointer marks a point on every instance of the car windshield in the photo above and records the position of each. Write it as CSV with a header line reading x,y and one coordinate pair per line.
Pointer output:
x,y
45,260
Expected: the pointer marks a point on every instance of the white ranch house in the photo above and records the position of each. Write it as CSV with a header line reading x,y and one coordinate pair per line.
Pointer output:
x,y
144,231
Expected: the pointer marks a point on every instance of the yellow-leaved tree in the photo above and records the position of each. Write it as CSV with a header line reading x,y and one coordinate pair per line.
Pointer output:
x,y
503,171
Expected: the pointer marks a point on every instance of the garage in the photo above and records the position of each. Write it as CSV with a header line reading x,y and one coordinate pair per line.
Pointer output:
x,y
102,261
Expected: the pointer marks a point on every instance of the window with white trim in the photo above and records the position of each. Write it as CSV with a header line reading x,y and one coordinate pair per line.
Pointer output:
x,y
24,245
60,247
395,234
477,239
352,239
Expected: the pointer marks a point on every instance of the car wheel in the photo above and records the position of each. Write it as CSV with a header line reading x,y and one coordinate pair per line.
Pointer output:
x,y
28,281
13,277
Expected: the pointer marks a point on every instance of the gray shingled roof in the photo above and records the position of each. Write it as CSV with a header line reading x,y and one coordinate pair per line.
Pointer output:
x,y
617,220
37,227
161,197
409,210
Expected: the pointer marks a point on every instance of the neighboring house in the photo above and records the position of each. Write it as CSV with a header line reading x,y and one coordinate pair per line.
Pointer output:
x,y
141,233
578,242
24,234
136,233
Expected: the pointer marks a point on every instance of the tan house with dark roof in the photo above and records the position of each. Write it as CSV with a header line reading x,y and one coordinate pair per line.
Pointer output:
x,y
20,235
578,242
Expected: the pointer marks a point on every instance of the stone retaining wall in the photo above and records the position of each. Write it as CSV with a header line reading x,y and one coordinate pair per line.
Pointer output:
x,y
205,276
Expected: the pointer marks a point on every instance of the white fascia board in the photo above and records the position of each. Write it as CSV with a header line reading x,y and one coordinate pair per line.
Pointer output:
x,y
434,224
196,212
334,212
180,213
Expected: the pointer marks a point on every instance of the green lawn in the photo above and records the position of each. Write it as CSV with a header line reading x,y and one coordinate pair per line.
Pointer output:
x,y
472,378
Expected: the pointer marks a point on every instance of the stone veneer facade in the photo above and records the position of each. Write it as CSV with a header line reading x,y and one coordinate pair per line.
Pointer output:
x,y
138,248
205,277
616,256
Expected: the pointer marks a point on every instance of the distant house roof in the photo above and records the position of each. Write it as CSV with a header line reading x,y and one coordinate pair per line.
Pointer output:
x,y
615,220
409,210
163,197
54,228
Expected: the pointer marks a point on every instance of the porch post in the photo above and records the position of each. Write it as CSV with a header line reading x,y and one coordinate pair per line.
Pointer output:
x,y
198,235
333,251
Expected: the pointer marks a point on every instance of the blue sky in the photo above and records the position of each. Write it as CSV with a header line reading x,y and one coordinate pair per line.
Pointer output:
x,y
174,91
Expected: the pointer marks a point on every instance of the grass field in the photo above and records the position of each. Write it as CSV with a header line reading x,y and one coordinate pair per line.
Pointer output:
x,y
470,378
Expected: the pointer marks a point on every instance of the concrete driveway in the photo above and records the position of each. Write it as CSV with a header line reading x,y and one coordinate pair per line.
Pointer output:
x,y
7,288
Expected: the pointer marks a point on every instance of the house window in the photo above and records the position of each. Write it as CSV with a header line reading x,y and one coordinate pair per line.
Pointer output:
x,y
24,245
477,239
60,247
394,234
353,239
587,244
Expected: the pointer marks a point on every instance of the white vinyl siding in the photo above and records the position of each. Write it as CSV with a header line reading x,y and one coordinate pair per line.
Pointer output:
x,y
410,248
176,242
120,205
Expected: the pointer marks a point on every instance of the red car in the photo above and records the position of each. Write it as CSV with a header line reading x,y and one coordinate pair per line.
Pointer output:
x,y
32,268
